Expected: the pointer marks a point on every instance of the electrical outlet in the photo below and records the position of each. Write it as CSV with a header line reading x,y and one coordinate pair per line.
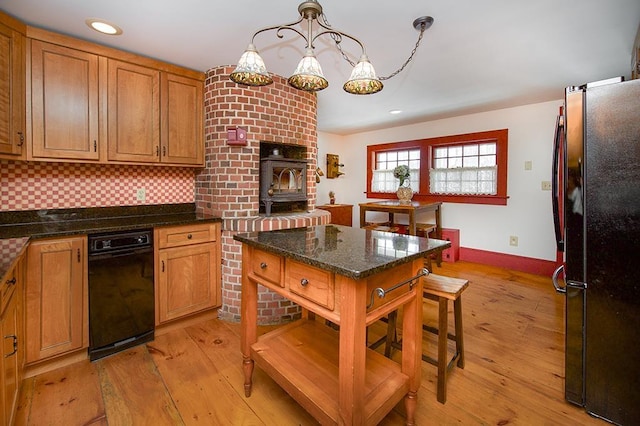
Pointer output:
x,y
528,165
141,194
546,185
513,241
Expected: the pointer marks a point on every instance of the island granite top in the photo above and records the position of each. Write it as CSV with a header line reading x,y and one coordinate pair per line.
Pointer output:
x,y
353,252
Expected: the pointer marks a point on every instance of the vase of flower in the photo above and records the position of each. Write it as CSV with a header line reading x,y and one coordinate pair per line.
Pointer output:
x,y
404,192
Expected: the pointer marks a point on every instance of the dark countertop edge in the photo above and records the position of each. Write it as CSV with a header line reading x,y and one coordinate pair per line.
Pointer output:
x,y
99,228
48,229
350,273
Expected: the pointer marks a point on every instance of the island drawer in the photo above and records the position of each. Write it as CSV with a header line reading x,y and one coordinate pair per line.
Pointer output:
x,y
314,284
175,236
267,266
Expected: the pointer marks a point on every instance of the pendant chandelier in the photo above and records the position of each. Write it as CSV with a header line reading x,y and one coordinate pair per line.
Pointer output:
x,y
251,70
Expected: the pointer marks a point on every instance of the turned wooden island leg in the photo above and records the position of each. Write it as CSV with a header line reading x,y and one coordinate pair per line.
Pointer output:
x,y
248,319
247,366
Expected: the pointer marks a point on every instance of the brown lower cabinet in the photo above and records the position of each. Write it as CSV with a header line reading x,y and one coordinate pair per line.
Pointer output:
x,y
56,300
187,263
12,334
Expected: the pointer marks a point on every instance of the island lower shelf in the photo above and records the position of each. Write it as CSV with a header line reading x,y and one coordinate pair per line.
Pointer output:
x,y
303,358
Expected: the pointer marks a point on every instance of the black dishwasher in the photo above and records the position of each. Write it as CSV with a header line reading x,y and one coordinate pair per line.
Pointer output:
x,y
121,298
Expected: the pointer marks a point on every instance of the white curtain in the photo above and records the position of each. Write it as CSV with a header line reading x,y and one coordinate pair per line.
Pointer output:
x,y
464,180
384,181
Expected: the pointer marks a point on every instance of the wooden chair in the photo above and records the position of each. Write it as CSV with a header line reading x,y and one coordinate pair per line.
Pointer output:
x,y
428,230
384,226
440,289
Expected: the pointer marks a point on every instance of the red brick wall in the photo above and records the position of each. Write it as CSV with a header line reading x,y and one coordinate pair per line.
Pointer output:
x,y
229,185
278,113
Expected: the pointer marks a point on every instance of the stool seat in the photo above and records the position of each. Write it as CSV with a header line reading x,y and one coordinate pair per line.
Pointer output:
x,y
441,286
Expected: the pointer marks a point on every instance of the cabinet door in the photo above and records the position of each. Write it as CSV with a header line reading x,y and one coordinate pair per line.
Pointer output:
x,y
56,297
182,120
10,357
64,102
12,92
133,98
187,281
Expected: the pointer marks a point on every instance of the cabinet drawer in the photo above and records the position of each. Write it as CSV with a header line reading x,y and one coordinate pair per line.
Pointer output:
x,y
175,236
311,283
268,266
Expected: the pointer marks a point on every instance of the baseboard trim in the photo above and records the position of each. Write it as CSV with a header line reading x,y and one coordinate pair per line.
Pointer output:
x,y
517,263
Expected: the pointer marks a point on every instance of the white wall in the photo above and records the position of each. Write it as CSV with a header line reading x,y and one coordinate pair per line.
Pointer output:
x,y
528,213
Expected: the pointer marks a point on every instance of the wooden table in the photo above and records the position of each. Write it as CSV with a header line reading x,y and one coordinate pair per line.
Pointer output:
x,y
411,209
352,278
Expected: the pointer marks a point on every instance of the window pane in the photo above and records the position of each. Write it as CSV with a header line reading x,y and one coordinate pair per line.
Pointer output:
x,y
487,160
487,148
440,163
440,152
455,151
455,162
470,162
470,150
392,156
403,156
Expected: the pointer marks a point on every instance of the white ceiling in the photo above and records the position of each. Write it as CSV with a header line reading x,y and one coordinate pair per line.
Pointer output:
x,y
477,56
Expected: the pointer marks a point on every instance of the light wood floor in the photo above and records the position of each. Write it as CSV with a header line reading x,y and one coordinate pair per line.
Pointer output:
x,y
514,371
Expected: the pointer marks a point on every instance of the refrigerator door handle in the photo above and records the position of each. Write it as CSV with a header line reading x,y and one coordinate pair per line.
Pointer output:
x,y
554,280
555,181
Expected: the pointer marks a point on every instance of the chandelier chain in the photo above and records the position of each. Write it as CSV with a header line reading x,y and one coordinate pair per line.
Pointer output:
x,y
335,38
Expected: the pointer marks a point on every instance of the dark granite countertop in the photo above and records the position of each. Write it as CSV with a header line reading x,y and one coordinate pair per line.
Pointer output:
x,y
17,227
354,252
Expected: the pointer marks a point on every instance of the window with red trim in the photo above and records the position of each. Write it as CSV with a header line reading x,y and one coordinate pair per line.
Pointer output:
x,y
467,168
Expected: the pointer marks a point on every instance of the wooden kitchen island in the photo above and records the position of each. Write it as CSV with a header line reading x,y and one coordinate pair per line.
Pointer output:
x,y
351,277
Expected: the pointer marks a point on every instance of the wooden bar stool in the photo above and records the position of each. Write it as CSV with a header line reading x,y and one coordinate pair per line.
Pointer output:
x,y
440,289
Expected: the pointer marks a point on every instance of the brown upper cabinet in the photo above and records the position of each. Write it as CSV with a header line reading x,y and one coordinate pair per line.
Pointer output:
x,y
64,103
134,112
12,88
90,103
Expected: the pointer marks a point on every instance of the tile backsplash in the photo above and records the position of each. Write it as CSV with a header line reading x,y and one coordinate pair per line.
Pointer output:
x,y
35,186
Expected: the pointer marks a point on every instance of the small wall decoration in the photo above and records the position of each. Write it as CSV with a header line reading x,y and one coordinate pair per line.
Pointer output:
x,y
236,136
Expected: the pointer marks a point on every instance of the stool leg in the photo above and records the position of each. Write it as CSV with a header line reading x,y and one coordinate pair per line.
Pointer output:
x,y
442,349
391,333
457,308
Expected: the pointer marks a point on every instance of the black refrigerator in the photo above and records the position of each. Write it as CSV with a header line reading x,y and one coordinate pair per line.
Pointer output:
x,y
596,204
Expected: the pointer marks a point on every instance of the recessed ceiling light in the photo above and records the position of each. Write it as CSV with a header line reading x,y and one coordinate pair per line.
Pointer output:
x,y
103,26
395,111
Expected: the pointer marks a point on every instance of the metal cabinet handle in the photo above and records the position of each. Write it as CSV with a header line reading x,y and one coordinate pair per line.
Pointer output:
x,y
79,256
21,138
164,151
304,282
263,265
163,266
15,344
12,281
95,146
189,236
157,151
